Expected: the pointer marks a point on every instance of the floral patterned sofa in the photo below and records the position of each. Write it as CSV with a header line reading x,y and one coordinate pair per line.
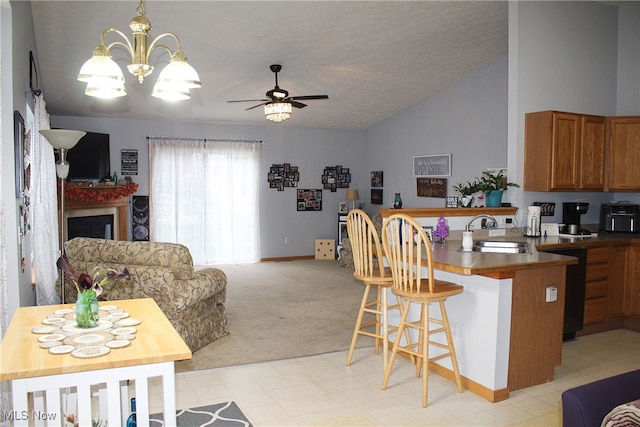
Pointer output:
x,y
345,258
193,301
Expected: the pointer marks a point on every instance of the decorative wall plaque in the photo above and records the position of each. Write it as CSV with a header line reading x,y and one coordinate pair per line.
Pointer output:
x,y
432,187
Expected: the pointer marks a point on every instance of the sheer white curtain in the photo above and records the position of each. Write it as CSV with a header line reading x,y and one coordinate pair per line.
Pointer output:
x,y
204,195
44,202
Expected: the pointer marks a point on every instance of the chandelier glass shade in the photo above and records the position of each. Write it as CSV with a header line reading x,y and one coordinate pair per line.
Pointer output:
x,y
277,111
104,77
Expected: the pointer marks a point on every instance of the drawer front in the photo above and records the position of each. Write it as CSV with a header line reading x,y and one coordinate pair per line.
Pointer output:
x,y
596,272
595,310
596,289
596,255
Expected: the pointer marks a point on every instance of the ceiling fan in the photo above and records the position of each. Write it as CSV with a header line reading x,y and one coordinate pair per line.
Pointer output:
x,y
278,96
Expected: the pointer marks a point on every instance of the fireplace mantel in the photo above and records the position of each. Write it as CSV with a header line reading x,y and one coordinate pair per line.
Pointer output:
x,y
121,204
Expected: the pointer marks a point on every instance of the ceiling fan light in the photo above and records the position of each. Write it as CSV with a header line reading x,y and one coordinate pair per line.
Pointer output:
x,y
277,111
170,91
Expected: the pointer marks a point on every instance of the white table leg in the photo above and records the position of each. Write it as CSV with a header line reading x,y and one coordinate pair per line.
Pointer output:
x,y
169,391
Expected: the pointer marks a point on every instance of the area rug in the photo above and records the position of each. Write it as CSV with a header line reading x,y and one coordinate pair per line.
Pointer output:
x,y
281,310
220,415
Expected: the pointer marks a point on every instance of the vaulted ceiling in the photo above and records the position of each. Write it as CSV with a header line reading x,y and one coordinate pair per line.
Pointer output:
x,y
373,59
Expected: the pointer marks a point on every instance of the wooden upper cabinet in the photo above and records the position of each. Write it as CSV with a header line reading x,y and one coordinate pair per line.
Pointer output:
x,y
564,152
592,153
624,154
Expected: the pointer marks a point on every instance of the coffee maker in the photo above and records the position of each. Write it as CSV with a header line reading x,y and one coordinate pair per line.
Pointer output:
x,y
571,212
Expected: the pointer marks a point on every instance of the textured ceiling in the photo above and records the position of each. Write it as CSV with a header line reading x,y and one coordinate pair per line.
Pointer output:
x,y
373,59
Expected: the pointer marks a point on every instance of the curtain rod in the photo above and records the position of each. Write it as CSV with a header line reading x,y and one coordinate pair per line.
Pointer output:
x,y
258,141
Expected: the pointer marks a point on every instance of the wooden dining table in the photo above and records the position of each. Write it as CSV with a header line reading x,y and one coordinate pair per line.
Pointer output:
x,y
40,379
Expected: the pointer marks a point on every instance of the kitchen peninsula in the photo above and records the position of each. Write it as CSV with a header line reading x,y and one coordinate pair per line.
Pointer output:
x,y
507,336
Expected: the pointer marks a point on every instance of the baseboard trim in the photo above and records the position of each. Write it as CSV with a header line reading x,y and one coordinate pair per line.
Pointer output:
x,y
287,258
492,396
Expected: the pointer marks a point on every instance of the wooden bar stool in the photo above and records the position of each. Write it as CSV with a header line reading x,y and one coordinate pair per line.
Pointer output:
x,y
367,260
406,247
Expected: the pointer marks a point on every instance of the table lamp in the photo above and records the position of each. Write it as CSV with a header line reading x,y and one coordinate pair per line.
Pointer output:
x,y
352,196
62,140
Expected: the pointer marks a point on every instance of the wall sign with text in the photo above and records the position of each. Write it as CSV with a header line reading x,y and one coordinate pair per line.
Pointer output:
x,y
129,161
432,165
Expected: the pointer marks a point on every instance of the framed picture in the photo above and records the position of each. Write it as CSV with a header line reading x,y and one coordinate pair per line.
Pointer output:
x,y
377,179
432,165
343,207
18,139
376,196
309,200
334,177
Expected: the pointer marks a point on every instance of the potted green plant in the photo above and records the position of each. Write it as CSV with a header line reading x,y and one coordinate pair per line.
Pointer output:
x,y
467,190
493,184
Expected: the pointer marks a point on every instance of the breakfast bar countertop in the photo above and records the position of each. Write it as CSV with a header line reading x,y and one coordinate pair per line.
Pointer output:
x,y
448,257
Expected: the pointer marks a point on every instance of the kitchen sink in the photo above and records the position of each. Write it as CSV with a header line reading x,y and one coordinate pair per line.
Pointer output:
x,y
501,247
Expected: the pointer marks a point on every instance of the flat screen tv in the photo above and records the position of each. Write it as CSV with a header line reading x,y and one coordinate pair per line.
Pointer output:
x,y
89,159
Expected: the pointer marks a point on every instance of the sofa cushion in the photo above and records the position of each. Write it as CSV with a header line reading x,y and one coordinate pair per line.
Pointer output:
x,y
173,256
588,404
625,415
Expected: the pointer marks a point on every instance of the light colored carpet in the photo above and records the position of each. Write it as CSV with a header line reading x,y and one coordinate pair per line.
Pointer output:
x,y
280,310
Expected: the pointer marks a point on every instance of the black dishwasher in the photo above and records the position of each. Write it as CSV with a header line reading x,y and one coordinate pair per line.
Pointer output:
x,y
575,291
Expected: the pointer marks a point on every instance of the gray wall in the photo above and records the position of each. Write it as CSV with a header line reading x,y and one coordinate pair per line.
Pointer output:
x,y
468,120
310,149
564,56
15,71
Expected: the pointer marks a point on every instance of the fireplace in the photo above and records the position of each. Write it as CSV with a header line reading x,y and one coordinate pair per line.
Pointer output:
x,y
98,226
117,210
101,223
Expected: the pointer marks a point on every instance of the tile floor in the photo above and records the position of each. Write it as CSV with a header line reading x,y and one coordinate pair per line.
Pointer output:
x,y
322,391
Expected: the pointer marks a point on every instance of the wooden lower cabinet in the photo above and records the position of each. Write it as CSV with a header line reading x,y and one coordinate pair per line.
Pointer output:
x,y
536,327
619,281
612,297
631,301
597,287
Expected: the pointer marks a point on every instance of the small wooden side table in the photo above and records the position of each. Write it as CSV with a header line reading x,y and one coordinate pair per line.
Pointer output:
x,y
33,370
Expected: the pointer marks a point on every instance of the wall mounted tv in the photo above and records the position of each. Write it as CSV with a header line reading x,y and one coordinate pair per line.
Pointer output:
x,y
89,160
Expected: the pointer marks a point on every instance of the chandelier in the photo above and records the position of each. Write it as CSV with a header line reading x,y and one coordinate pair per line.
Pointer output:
x,y
104,77
277,111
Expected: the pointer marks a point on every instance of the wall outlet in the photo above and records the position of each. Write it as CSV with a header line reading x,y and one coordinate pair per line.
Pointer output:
x,y
286,240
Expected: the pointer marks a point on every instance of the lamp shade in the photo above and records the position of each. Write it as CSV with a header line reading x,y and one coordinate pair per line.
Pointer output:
x,y
62,138
353,195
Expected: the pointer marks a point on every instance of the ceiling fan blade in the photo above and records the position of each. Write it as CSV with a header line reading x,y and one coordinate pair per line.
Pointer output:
x,y
251,100
296,103
256,106
310,97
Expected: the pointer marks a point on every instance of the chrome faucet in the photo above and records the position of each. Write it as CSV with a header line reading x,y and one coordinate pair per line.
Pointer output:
x,y
468,226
